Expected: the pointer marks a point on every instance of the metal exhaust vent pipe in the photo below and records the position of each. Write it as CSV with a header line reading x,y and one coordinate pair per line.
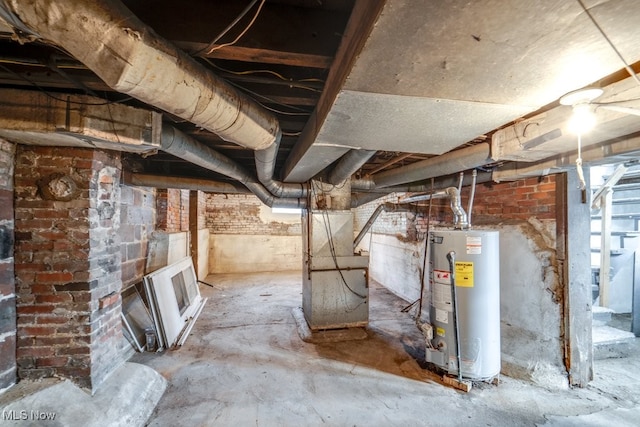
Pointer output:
x,y
131,58
385,207
459,215
265,167
183,146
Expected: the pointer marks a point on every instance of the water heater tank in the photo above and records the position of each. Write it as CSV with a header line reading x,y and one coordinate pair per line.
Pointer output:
x,y
477,285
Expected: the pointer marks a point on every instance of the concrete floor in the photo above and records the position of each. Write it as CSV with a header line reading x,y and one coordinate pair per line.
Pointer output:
x,y
244,364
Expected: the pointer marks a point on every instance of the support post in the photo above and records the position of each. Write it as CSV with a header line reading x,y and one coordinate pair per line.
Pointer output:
x,y
193,227
605,248
573,254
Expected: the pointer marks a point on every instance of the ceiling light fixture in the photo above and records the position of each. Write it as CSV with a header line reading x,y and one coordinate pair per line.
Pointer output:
x,y
583,118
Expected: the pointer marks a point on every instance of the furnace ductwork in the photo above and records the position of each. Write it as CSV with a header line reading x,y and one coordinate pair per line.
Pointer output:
x,y
132,59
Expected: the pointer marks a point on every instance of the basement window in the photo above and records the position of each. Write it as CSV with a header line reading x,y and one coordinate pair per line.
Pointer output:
x,y
291,211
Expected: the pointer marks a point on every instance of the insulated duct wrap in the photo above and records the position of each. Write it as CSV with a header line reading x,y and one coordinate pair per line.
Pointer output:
x,y
132,59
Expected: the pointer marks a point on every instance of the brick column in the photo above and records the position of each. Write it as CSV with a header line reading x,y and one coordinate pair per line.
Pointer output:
x,y
68,264
172,206
7,281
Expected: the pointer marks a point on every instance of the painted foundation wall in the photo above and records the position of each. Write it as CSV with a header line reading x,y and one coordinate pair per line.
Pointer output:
x,y
530,307
247,236
394,263
530,313
234,253
203,254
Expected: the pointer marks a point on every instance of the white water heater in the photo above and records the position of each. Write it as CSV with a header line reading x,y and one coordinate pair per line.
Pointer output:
x,y
474,306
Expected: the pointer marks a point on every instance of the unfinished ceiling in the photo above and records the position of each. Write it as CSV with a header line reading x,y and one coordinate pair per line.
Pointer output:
x,y
404,79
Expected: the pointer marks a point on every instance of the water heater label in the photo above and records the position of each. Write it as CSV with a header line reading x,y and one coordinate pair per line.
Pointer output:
x,y
442,276
464,274
441,297
474,245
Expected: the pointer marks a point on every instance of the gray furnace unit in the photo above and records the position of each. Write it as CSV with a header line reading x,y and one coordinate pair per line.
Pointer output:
x,y
335,291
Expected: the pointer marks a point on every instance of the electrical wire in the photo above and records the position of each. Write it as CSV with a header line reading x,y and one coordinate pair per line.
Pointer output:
x,y
424,259
595,23
216,47
302,112
292,83
327,226
47,93
583,184
226,30
271,72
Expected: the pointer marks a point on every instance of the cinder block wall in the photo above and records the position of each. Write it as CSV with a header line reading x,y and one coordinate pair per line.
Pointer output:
x,y
137,223
68,263
7,281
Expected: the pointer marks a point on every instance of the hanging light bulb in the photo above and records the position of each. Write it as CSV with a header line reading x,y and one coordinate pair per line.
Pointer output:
x,y
582,120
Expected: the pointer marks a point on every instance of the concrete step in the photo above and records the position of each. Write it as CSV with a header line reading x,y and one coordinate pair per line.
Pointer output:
x,y
601,315
611,343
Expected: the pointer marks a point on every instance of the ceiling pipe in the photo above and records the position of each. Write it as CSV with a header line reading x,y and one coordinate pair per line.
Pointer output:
x,y
132,59
369,186
460,220
183,146
183,183
348,165
359,199
445,164
265,167
362,194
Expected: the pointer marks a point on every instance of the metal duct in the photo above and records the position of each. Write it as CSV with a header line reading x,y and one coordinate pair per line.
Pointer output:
x,y
369,186
385,207
265,167
459,215
183,146
348,165
131,58
359,199
446,164
183,183
364,193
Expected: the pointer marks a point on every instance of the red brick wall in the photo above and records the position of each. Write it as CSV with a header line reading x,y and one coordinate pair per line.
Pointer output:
x,y
173,210
202,210
240,214
7,281
68,274
184,210
518,200
493,203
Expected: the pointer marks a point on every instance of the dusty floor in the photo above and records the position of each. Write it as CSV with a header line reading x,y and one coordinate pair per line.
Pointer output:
x,y
245,365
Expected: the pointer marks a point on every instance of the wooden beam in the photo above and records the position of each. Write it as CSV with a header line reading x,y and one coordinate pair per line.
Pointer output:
x,y
267,56
388,163
302,163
